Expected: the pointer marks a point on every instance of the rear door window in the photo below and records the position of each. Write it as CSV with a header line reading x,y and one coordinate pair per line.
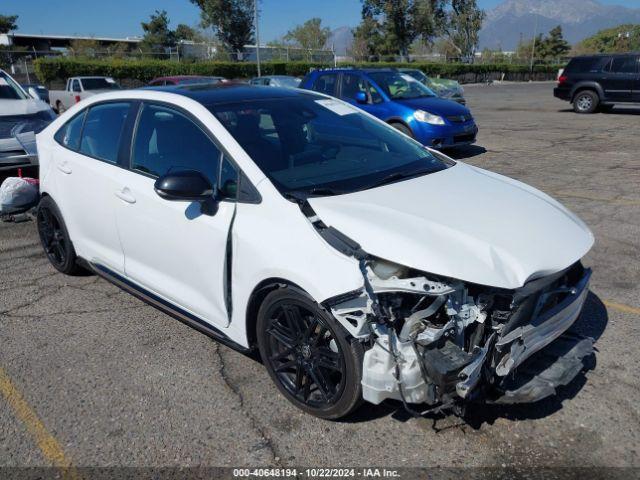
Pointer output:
x,y
326,83
351,85
584,65
626,64
103,129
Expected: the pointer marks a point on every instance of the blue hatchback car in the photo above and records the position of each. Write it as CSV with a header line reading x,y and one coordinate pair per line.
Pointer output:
x,y
401,101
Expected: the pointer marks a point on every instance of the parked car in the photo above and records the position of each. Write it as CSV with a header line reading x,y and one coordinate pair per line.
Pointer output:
x,y
21,116
401,101
360,264
184,80
277,81
443,87
38,91
595,82
79,88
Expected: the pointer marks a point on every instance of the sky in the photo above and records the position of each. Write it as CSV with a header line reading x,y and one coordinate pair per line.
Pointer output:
x,y
121,18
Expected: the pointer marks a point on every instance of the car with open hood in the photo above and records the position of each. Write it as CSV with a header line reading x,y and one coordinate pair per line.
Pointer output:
x,y
400,100
362,265
21,117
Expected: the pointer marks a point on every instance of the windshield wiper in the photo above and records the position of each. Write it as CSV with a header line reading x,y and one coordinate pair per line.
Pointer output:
x,y
300,195
397,176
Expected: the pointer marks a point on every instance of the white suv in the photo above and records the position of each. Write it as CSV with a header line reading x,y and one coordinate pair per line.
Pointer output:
x,y
361,264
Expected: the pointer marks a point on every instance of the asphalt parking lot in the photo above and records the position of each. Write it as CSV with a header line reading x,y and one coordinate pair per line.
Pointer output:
x,y
91,376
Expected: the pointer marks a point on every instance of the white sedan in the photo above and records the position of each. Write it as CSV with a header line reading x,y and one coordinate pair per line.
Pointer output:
x,y
362,265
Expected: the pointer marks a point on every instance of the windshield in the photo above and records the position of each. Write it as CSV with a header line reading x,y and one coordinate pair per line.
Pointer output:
x,y
309,145
9,89
400,86
291,82
100,84
418,75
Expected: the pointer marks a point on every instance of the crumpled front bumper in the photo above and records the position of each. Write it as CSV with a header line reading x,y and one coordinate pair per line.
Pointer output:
x,y
522,342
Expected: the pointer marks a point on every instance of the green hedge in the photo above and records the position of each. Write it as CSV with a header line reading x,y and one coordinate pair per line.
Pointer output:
x,y
52,69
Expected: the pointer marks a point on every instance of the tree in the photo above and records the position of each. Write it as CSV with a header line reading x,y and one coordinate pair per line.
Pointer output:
x,y
311,35
185,32
554,46
463,26
620,39
85,48
403,21
8,23
367,39
157,35
231,21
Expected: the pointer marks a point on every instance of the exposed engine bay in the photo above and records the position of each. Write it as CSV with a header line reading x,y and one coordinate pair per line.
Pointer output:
x,y
444,342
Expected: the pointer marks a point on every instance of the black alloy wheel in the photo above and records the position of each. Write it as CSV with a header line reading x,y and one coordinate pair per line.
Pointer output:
x,y
308,354
55,238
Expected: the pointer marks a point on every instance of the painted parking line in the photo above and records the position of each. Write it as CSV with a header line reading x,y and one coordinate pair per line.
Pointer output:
x,y
620,307
46,442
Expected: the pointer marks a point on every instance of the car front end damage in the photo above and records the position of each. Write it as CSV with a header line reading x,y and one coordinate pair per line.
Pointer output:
x,y
445,342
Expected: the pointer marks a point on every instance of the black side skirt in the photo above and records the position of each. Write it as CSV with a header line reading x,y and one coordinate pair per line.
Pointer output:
x,y
162,305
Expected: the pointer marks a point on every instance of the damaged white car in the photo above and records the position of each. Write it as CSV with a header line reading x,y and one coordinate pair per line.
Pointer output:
x,y
362,265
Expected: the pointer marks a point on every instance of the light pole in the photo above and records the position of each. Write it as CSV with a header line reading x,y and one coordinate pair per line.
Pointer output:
x,y
255,22
533,48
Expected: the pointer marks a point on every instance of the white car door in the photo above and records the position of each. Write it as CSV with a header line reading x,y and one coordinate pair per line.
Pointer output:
x,y
88,177
171,248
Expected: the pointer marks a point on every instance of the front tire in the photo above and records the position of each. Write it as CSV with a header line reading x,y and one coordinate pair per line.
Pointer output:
x,y
54,237
586,101
401,127
309,356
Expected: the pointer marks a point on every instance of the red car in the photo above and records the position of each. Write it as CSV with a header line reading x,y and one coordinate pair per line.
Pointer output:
x,y
184,80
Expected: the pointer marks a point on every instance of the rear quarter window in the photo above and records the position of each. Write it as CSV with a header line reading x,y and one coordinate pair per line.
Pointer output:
x,y
585,64
69,134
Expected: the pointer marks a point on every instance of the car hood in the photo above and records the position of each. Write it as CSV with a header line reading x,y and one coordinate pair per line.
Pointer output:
x,y
9,107
439,106
464,223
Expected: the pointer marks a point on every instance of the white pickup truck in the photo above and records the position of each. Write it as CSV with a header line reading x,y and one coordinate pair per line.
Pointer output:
x,y
79,88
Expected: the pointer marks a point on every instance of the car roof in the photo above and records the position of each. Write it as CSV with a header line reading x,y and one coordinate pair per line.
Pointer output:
x,y
358,70
184,77
208,94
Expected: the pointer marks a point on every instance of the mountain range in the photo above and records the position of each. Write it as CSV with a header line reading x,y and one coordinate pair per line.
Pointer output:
x,y
512,20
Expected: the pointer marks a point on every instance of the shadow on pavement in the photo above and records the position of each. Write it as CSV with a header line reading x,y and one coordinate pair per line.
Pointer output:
x,y
592,323
467,151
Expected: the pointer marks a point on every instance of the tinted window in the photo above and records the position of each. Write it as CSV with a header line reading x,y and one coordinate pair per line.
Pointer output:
x,y
326,83
69,134
351,85
103,129
583,64
166,140
100,84
624,65
307,144
228,179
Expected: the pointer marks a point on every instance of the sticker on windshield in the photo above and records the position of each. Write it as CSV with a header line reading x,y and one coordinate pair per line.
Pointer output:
x,y
3,83
336,107
110,80
408,78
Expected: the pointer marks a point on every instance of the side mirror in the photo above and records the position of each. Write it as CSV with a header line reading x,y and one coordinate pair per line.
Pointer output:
x,y
187,186
361,97
34,93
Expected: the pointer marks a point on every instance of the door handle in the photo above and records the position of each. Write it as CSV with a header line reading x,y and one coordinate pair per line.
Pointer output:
x,y
64,167
125,195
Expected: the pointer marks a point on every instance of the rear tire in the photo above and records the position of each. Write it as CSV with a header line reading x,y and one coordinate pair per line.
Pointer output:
x,y
310,357
54,237
586,101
